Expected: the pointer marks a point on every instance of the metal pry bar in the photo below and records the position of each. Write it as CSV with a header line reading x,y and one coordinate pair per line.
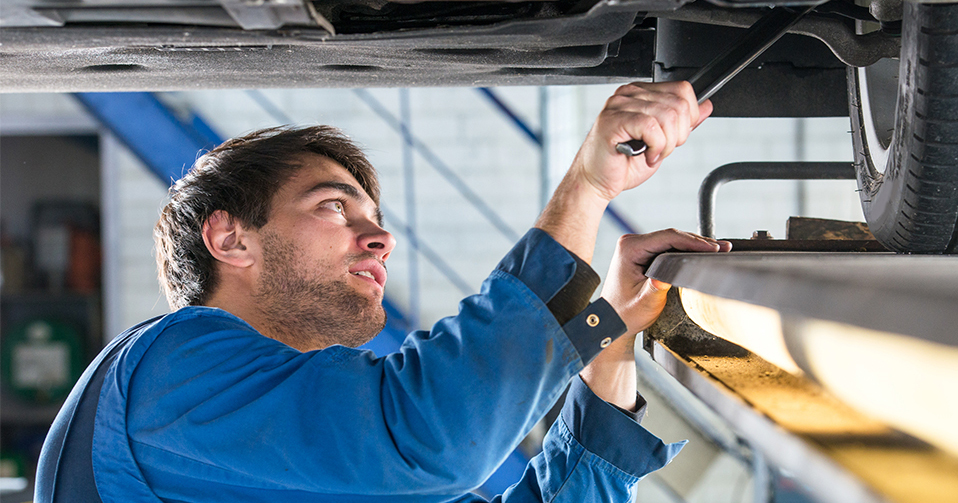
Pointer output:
x,y
759,37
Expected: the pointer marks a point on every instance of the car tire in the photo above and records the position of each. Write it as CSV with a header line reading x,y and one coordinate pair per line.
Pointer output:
x,y
906,151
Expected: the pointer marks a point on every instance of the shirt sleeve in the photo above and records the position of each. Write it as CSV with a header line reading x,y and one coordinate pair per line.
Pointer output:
x,y
593,452
565,284
214,404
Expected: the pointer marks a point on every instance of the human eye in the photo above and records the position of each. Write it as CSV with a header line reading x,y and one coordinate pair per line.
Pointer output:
x,y
336,205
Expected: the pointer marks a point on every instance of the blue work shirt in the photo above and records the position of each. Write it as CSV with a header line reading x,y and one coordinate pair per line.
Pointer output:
x,y
198,406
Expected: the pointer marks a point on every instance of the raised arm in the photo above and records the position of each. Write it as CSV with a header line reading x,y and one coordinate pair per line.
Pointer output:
x,y
660,114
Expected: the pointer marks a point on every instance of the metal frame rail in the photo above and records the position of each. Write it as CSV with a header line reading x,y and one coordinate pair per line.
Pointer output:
x,y
762,171
780,415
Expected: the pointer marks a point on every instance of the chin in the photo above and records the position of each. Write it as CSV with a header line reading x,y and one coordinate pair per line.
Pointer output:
x,y
367,327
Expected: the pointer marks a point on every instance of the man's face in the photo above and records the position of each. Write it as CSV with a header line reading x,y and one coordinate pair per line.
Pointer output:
x,y
323,259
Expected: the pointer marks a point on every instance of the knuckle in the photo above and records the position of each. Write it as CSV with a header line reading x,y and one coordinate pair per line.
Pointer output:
x,y
671,115
626,88
607,115
616,101
625,240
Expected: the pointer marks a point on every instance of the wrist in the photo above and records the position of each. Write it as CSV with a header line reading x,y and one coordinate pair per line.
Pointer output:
x,y
615,386
578,178
619,354
611,375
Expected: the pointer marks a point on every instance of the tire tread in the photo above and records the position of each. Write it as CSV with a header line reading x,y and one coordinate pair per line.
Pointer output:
x,y
921,194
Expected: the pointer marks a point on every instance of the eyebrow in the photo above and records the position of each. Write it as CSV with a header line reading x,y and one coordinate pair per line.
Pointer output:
x,y
347,189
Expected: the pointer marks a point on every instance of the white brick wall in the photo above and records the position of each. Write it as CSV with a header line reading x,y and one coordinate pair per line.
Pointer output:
x,y
133,197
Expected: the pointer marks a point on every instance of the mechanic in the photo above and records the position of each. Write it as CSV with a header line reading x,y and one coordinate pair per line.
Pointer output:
x,y
271,251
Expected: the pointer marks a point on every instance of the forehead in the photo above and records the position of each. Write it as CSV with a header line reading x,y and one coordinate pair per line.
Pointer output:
x,y
317,176
312,172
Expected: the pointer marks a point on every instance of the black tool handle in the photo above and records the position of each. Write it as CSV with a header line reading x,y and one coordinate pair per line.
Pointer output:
x,y
759,37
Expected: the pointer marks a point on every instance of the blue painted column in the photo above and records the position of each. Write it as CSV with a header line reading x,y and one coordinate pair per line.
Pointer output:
x,y
165,143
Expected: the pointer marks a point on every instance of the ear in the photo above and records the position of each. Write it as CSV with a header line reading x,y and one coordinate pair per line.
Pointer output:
x,y
227,240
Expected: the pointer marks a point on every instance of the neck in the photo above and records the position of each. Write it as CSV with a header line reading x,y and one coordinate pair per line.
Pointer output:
x,y
248,310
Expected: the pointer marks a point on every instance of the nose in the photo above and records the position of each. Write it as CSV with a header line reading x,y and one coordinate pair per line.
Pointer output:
x,y
377,240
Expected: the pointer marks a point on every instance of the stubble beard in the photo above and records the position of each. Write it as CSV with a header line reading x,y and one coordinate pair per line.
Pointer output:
x,y
307,310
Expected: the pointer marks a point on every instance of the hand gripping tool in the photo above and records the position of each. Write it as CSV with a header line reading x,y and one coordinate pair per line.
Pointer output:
x,y
759,37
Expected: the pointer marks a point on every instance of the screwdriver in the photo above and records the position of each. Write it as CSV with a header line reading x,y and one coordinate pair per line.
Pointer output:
x,y
759,37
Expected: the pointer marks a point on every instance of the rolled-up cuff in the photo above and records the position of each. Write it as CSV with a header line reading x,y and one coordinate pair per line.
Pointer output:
x,y
539,261
575,295
604,430
593,329
565,283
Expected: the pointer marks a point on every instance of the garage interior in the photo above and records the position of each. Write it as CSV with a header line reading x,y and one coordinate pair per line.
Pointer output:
x,y
83,177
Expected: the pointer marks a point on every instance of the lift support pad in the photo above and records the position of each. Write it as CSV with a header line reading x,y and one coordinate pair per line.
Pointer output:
x,y
794,422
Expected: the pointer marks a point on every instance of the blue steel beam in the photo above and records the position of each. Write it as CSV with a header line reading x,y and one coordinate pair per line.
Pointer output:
x,y
409,188
613,213
167,145
535,136
269,107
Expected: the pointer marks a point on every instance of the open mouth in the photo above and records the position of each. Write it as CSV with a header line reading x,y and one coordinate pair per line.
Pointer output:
x,y
370,269
365,274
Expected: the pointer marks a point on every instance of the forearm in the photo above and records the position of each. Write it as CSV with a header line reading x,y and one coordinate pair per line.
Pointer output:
x,y
611,376
573,214
662,115
572,218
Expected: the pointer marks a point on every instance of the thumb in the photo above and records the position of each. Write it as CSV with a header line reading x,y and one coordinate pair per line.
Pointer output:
x,y
656,285
652,299
705,110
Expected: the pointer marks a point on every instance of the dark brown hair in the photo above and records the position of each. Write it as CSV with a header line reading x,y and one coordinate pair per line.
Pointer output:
x,y
240,177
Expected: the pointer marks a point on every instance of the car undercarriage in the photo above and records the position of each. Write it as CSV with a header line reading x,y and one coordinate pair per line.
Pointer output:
x,y
839,59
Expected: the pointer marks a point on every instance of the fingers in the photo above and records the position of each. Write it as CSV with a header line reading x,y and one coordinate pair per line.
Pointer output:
x,y
640,249
705,110
637,298
676,240
662,115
